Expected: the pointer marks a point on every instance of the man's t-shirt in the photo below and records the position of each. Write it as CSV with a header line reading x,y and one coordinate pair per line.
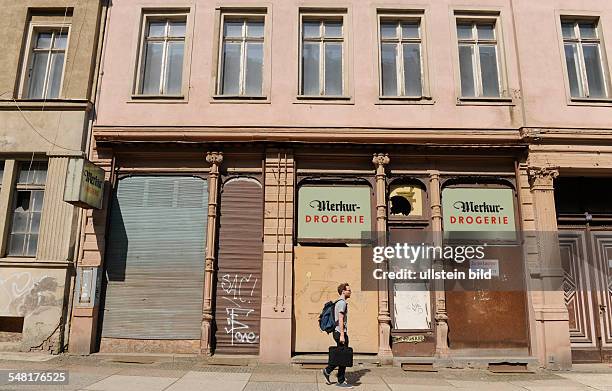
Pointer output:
x,y
341,307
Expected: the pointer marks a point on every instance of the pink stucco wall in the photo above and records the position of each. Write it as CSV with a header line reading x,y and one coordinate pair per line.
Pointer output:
x,y
532,52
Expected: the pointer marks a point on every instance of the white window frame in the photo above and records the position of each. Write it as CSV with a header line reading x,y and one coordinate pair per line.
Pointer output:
x,y
401,18
322,17
243,17
148,17
33,30
463,18
578,40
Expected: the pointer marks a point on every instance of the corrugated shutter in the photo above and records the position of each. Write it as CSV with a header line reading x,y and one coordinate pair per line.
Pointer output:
x,y
155,258
238,298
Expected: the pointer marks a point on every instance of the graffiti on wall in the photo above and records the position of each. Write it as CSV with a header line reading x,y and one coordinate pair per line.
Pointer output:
x,y
239,292
22,294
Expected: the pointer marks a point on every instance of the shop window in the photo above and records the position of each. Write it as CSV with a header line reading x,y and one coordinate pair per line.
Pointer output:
x,y
406,200
27,210
11,328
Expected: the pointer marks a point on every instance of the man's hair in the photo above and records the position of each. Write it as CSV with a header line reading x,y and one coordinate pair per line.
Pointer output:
x,y
342,287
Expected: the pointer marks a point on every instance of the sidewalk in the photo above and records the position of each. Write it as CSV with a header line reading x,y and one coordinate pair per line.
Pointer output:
x,y
102,374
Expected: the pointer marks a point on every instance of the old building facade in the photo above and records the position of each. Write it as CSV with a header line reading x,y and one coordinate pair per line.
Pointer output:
x,y
46,108
221,124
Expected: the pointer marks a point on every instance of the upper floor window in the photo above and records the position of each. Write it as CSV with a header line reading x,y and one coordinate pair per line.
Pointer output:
x,y
241,57
585,59
401,57
45,64
27,210
162,53
479,59
322,56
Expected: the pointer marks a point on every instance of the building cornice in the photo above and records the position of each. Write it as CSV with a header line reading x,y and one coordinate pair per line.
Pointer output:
x,y
48,105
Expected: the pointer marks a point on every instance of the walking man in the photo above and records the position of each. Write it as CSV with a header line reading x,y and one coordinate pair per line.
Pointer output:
x,y
340,333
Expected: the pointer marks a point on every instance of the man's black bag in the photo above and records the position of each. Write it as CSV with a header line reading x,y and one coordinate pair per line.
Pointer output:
x,y
341,356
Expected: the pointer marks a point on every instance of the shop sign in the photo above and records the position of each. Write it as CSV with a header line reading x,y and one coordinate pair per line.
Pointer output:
x,y
408,339
406,200
488,212
485,265
84,184
333,212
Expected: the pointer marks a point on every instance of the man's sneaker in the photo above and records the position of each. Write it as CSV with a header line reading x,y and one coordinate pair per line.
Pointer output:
x,y
326,375
344,384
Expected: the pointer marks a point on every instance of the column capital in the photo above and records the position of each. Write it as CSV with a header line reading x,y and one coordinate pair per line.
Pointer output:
x,y
541,178
380,159
214,158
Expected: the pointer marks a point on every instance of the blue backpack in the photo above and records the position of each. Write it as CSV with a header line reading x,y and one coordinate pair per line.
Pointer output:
x,y
327,321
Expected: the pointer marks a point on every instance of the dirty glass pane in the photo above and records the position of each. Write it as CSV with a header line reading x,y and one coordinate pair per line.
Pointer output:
x,y
466,68
177,29
568,30
254,68
410,30
231,69
573,69
333,29
311,29
464,30
595,77
333,69
152,68
486,31
38,75
255,29
60,40
412,69
157,29
389,69
174,68
43,40
488,68
388,29
310,69
233,29
55,76
587,30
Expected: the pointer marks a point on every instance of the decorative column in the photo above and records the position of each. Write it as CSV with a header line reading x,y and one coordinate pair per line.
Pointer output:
x,y
441,317
385,355
551,314
214,159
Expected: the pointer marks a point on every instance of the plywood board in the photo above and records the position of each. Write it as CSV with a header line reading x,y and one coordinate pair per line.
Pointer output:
x,y
318,271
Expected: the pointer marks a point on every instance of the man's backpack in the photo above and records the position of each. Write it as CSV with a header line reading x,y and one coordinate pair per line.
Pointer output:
x,y
327,321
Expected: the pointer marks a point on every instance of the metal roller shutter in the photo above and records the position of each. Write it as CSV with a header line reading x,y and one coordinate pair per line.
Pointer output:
x,y
155,258
238,292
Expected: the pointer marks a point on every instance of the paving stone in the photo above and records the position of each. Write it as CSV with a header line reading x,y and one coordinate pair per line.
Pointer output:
x,y
478,385
599,381
411,387
280,386
132,383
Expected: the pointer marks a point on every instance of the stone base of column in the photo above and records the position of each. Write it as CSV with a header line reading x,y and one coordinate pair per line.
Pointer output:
x,y
385,354
83,331
554,338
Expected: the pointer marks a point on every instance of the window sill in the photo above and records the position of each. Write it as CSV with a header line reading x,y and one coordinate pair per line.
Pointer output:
x,y
32,262
605,102
239,99
405,100
157,99
39,104
483,101
324,100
